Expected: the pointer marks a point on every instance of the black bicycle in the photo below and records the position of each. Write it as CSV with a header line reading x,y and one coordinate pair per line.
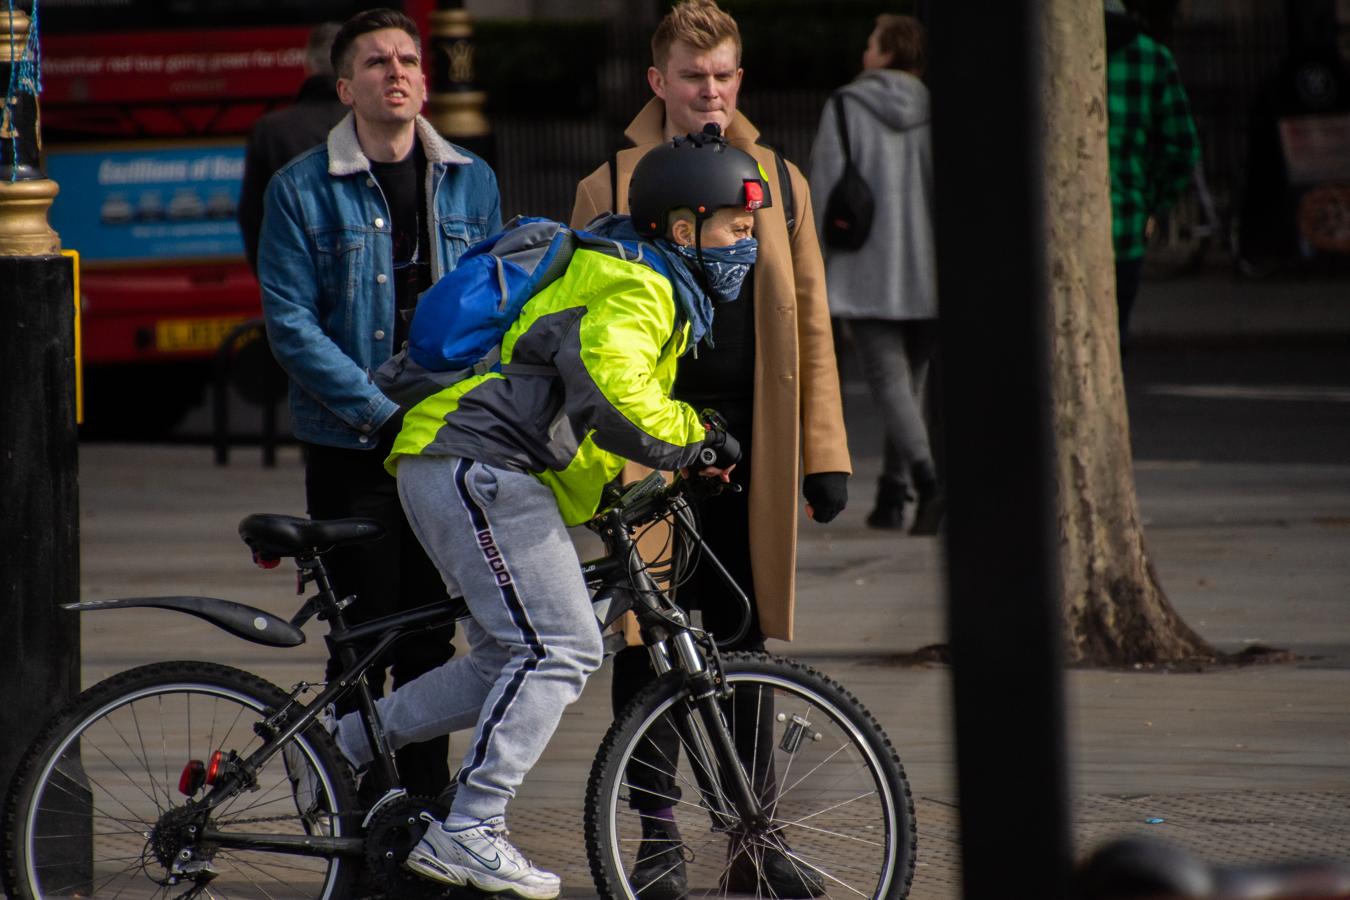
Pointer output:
x,y
175,779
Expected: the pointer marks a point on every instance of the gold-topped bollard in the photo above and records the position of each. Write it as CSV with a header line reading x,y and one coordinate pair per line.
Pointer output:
x,y
39,534
455,104
25,194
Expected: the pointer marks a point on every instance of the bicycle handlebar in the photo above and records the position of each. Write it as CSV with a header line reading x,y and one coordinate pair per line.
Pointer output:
x,y
652,498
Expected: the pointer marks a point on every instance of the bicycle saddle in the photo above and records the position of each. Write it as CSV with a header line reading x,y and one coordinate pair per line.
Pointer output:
x,y
272,536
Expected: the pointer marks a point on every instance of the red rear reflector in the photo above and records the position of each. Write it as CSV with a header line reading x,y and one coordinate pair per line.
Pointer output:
x,y
213,770
754,195
194,773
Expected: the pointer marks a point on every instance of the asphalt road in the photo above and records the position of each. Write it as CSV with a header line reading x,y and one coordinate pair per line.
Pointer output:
x,y
1282,403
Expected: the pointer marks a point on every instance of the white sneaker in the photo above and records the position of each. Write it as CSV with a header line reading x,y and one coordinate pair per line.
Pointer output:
x,y
479,855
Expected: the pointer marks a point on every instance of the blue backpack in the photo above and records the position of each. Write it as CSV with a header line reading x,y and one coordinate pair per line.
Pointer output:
x,y
457,330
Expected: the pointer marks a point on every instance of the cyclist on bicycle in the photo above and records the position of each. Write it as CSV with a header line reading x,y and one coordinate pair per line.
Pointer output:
x,y
493,469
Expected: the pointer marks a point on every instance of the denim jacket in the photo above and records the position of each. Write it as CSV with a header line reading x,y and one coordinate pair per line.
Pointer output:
x,y
325,257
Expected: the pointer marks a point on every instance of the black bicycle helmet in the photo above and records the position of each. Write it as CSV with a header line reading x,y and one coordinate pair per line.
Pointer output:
x,y
701,172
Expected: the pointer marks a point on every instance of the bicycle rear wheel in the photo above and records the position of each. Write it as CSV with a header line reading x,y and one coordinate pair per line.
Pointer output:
x,y
840,811
97,808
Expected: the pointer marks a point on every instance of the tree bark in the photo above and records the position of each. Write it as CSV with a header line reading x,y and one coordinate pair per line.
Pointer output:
x,y
1115,609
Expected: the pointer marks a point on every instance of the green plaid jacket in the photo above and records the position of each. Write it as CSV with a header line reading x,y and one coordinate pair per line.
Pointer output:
x,y
1152,139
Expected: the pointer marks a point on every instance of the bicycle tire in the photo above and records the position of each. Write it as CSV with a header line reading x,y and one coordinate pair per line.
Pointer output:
x,y
91,810
855,764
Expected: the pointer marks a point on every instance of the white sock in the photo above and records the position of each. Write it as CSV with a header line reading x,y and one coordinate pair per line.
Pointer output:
x,y
455,822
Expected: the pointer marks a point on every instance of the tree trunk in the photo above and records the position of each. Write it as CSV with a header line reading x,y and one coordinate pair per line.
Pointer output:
x,y
1115,609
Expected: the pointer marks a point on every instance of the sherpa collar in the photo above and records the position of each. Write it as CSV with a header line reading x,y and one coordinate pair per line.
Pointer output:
x,y
345,156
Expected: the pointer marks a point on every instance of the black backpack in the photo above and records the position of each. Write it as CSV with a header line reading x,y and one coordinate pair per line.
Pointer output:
x,y
849,208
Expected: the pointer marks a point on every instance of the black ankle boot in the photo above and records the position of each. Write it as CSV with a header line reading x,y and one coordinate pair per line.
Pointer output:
x,y
770,872
932,500
889,512
659,872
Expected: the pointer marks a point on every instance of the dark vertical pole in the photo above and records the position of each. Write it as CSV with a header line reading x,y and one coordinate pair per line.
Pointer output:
x,y
1002,565
39,529
455,101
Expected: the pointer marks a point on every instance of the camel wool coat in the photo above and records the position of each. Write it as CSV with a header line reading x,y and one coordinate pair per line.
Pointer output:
x,y
798,415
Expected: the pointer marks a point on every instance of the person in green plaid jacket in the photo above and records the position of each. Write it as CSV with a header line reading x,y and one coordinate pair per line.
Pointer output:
x,y
1152,143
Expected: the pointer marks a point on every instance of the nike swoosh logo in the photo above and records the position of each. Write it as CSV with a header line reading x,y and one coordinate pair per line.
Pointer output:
x,y
494,864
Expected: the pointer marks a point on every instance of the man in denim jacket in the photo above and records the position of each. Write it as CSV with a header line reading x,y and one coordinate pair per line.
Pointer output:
x,y
353,231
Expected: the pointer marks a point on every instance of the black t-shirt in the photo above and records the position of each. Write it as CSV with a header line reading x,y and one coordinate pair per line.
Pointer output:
x,y
404,187
723,377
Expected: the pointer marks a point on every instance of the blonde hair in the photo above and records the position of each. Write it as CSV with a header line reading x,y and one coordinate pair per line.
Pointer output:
x,y
701,24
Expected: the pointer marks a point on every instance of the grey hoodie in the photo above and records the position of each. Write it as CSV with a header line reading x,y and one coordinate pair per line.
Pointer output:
x,y
893,276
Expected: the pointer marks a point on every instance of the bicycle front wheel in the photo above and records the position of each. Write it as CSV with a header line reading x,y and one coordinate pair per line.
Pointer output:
x,y
101,805
839,812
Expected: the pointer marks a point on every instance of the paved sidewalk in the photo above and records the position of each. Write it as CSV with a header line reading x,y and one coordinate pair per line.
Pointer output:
x,y
1239,765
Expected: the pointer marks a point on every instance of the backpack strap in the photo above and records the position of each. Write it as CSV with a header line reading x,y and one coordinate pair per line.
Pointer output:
x,y
842,123
784,188
494,356
526,369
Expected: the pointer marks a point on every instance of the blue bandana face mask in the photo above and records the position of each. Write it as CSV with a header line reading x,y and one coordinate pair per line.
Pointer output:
x,y
724,268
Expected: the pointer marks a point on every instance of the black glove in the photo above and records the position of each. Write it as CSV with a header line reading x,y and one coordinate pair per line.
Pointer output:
x,y
720,448
827,492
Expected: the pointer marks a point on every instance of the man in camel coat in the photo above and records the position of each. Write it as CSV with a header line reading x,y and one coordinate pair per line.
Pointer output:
x,y
770,370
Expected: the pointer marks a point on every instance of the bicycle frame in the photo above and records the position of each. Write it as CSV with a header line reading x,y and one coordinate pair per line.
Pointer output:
x,y
620,582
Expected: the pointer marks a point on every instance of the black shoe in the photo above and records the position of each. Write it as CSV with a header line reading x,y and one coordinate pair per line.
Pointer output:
x,y
776,875
932,501
659,873
889,512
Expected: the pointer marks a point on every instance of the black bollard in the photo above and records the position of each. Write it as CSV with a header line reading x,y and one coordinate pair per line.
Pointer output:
x,y
39,531
1002,565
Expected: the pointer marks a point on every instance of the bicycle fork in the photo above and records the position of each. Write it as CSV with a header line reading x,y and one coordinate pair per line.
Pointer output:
x,y
703,732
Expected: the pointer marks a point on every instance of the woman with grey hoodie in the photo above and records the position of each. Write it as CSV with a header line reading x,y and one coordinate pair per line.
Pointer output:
x,y
886,290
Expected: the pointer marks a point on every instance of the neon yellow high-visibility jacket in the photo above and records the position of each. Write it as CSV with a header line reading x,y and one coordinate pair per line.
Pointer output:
x,y
609,328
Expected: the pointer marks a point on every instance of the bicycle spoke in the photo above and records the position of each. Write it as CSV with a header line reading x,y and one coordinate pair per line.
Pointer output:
x,y
792,758
677,801
754,751
674,765
127,870
783,793
781,823
243,865
129,778
145,753
794,859
138,821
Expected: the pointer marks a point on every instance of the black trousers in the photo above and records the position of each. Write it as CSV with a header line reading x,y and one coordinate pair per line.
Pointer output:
x,y
724,522
387,576
1128,272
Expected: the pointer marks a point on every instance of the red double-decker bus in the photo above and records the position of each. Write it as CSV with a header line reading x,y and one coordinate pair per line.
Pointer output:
x,y
146,106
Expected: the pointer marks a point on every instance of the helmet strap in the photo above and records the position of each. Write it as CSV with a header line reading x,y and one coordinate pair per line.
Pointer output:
x,y
701,274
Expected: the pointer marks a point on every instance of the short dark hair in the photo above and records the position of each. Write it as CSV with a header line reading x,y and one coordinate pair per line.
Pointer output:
x,y
364,23
903,39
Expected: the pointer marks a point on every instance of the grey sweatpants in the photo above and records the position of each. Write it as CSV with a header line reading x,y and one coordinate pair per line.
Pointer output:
x,y
499,541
